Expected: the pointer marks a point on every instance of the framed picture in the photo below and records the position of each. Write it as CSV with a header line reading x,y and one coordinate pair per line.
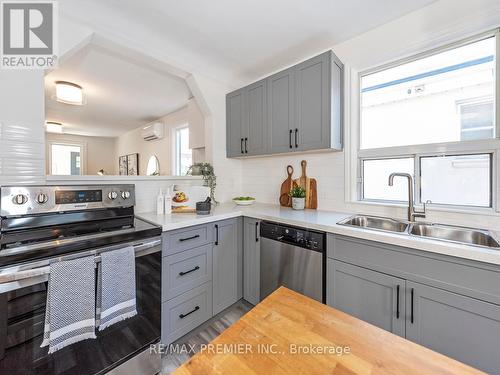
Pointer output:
x,y
128,165
133,164
122,165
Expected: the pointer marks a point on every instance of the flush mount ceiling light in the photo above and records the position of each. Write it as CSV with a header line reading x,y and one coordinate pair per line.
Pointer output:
x,y
69,93
53,127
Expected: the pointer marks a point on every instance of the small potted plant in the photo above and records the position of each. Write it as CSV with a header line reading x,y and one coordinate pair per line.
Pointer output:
x,y
298,198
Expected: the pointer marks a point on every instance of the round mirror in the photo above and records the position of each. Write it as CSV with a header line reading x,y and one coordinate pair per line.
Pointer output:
x,y
153,168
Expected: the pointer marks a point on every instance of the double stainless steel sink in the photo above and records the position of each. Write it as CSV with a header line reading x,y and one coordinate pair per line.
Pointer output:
x,y
468,236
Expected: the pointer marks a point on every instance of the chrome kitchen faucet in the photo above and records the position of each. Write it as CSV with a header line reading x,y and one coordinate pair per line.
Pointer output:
x,y
412,212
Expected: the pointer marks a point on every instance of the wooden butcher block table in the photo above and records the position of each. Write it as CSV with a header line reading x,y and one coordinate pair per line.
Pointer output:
x,y
287,322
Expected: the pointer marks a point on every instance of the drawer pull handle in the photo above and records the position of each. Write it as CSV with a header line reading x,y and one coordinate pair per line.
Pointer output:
x,y
189,238
182,316
397,302
182,273
411,312
216,235
257,231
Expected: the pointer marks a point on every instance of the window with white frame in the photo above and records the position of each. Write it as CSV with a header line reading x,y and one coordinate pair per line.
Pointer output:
x,y
433,117
66,159
183,157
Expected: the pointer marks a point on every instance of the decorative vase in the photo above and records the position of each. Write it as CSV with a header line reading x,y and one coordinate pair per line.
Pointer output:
x,y
298,203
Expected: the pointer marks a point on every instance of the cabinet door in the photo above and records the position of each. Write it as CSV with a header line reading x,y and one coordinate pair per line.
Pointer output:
x,y
372,296
312,103
460,327
225,264
251,260
235,123
255,132
280,99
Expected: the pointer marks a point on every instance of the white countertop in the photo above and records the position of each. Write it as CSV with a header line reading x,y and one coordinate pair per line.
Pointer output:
x,y
325,221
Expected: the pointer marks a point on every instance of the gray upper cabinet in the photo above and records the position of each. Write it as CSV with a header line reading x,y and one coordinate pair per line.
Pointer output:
x,y
235,116
312,125
368,295
460,327
251,260
225,264
297,109
255,129
281,118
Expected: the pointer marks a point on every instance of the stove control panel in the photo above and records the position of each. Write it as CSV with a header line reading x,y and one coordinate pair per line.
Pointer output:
x,y
27,200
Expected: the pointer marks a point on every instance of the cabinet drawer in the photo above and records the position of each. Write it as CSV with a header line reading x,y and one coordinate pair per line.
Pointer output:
x,y
186,270
186,238
185,312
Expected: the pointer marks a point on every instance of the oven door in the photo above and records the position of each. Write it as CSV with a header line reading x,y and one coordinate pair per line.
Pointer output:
x,y
22,313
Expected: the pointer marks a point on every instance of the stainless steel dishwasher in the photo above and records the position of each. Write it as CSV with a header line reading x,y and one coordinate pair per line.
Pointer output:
x,y
292,257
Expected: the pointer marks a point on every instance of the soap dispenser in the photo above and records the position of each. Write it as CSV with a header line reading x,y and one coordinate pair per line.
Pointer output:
x,y
160,203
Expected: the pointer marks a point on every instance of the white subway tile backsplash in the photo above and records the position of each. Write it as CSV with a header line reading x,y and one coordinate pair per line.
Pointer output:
x,y
27,150
23,167
18,132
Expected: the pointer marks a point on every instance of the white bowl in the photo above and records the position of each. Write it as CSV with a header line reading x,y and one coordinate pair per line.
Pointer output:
x,y
244,203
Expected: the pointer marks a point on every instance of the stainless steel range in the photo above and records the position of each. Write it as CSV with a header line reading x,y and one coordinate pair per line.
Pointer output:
x,y
44,224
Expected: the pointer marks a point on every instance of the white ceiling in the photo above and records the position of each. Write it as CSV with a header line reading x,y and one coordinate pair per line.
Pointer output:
x,y
249,38
121,94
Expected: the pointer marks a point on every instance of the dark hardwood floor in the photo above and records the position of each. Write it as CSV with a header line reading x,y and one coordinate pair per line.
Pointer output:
x,y
202,335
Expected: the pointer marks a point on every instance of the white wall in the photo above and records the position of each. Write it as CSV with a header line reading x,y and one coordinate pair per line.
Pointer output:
x,y
99,152
132,142
442,22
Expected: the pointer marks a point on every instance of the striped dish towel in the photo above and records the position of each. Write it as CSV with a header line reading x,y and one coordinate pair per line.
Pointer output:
x,y
117,287
70,309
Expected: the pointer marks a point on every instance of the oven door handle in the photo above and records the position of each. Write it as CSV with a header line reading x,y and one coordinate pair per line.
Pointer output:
x,y
41,269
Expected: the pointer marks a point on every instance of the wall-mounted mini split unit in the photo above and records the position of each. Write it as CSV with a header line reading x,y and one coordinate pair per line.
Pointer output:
x,y
153,132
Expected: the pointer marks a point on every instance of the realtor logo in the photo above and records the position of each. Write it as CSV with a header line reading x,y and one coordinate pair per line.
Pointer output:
x,y
28,35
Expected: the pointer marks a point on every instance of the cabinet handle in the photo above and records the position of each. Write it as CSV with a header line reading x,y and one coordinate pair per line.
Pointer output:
x,y
290,138
182,316
182,273
411,308
189,238
246,145
257,231
216,235
397,302
296,138
241,146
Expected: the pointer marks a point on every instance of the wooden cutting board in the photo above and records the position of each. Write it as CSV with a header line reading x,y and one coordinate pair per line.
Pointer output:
x,y
309,185
286,188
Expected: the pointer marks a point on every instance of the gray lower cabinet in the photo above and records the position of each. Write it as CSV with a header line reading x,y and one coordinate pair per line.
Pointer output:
x,y
447,304
251,260
297,109
186,270
226,251
185,312
460,327
368,295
